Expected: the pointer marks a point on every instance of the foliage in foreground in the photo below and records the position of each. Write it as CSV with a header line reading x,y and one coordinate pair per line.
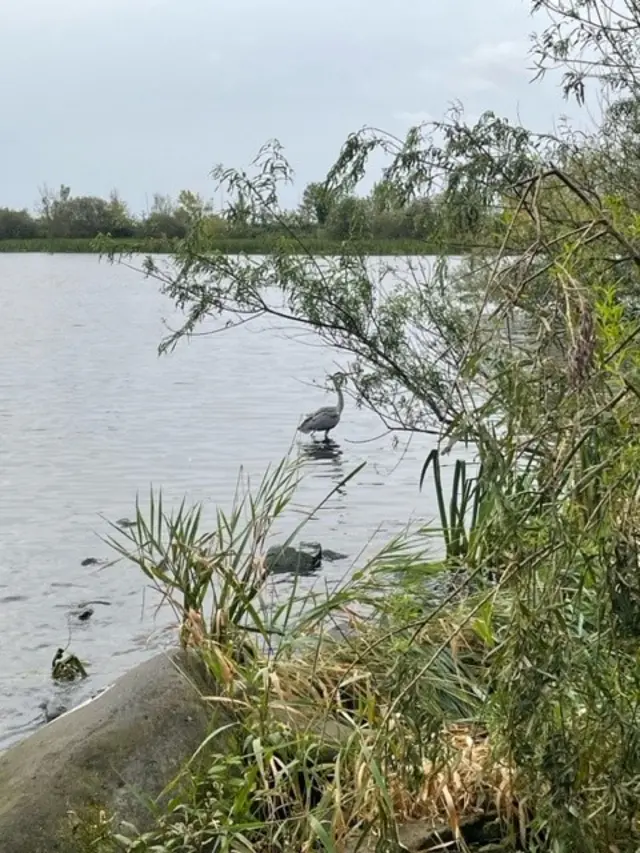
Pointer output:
x,y
325,217
531,355
435,706
345,713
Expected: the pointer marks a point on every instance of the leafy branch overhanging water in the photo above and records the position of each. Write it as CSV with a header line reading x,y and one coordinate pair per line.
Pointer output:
x,y
529,352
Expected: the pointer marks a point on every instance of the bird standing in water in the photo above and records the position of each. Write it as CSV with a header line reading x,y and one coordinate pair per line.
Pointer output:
x,y
328,417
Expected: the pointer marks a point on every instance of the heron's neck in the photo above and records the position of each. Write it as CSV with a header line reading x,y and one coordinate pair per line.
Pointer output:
x,y
340,398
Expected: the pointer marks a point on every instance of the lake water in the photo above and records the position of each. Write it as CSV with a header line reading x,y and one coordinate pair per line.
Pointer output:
x,y
90,415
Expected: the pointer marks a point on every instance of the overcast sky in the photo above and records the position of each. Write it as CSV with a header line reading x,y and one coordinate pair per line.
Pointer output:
x,y
148,95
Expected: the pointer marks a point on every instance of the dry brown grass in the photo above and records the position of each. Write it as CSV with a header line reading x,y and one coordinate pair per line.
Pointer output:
x,y
465,782
334,694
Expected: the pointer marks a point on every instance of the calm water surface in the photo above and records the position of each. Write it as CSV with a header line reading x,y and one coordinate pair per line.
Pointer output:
x,y
90,415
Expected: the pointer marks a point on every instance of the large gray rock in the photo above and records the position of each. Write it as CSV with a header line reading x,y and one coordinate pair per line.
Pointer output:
x,y
115,752
285,560
305,560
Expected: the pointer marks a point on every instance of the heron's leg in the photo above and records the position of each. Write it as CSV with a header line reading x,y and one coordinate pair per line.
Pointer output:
x,y
326,435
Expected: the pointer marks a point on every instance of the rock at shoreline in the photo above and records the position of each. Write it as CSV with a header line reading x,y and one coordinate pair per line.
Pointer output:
x,y
116,752
287,560
305,560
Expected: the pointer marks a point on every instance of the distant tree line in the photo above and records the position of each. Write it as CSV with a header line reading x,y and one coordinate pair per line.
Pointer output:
x,y
323,213
384,214
62,215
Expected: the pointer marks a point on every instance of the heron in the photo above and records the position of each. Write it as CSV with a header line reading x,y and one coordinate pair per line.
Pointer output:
x,y
328,417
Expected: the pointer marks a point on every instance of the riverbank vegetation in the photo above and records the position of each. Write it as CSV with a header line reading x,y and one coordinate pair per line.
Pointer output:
x,y
258,245
377,222
501,713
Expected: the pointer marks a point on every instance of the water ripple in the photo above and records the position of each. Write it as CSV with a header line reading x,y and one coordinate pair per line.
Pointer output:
x,y
91,416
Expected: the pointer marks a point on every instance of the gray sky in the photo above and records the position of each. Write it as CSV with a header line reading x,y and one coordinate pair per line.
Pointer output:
x,y
148,95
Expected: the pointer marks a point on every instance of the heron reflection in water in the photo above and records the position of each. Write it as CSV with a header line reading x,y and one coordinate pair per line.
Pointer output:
x,y
322,451
326,458
328,417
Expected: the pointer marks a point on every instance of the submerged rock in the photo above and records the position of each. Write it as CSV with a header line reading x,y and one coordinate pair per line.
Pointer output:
x,y
67,668
325,553
282,560
305,560
332,556
85,609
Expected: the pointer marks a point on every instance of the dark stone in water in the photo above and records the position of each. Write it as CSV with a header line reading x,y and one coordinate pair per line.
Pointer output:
x,y
91,561
332,556
325,553
302,561
84,610
287,560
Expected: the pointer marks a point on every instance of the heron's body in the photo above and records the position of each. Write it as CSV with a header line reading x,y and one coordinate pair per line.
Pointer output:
x,y
326,418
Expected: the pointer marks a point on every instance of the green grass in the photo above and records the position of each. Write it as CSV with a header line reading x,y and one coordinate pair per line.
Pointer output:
x,y
512,703
461,713
227,245
333,743
513,693
82,245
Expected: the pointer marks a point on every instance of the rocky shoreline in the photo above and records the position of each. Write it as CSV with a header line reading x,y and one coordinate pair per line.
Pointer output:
x,y
118,754
112,752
